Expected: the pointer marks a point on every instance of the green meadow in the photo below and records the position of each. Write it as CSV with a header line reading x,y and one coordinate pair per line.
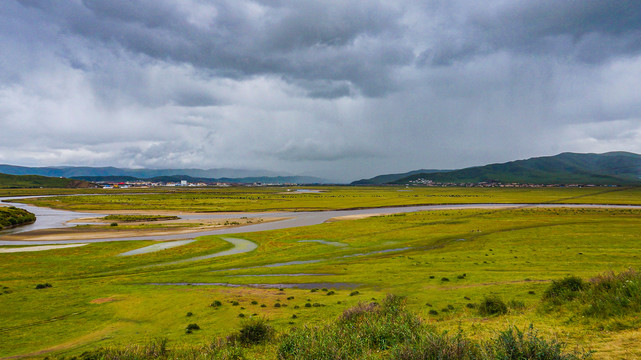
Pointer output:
x,y
445,264
329,198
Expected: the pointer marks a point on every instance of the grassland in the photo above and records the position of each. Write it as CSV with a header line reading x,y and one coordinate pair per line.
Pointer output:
x,y
253,199
11,217
443,262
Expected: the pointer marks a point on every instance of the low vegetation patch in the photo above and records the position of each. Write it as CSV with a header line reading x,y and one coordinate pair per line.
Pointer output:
x,y
135,218
604,296
12,216
492,305
565,289
365,331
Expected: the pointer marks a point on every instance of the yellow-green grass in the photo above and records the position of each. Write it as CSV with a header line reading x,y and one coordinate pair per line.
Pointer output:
x,y
332,198
504,252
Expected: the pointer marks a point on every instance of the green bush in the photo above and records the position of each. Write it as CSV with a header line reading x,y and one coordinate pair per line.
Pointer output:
x,y
254,331
492,305
565,289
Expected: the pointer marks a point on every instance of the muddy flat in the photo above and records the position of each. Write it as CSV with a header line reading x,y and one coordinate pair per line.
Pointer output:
x,y
82,233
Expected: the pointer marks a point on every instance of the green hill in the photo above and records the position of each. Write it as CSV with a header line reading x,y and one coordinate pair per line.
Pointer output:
x,y
389,178
614,168
37,181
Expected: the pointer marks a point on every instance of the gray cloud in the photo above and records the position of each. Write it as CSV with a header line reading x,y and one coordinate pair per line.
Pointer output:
x,y
342,89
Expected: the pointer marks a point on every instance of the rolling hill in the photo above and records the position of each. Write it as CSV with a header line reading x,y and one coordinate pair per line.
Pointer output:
x,y
613,168
36,181
388,178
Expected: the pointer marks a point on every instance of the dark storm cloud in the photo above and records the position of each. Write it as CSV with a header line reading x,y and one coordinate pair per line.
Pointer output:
x,y
307,40
338,88
590,31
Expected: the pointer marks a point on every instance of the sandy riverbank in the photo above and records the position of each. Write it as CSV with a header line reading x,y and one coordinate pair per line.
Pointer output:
x,y
86,233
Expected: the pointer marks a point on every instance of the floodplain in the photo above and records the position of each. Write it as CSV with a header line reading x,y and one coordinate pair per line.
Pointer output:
x,y
445,263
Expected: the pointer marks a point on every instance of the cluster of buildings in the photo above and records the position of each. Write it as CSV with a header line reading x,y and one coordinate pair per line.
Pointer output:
x,y
146,184
493,184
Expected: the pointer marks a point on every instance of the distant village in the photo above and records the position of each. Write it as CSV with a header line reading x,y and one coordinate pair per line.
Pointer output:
x,y
494,184
182,183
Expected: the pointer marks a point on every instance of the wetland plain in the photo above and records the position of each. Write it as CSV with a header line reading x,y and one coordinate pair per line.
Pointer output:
x,y
305,271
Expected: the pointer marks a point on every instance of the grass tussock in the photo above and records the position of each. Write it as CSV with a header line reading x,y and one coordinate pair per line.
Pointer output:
x,y
611,294
358,331
604,296
565,289
492,305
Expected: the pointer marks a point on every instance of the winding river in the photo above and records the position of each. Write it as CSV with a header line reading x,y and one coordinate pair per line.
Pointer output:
x,y
47,218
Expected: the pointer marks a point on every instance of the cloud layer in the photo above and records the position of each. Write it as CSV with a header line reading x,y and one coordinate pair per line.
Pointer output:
x,y
340,89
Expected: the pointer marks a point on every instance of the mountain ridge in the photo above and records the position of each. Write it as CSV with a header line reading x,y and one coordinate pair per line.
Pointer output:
x,y
612,168
209,175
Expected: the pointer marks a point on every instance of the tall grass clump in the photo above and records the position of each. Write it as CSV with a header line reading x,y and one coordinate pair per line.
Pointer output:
x,y
611,294
359,330
564,290
253,331
506,345
516,344
219,349
492,305
430,346
155,349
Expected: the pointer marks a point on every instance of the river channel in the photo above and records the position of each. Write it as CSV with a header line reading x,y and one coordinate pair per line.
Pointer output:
x,y
47,218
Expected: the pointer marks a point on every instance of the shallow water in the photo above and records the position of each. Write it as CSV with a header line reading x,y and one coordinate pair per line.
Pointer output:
x,y
279,275
302,262
157,247
331,243
327,285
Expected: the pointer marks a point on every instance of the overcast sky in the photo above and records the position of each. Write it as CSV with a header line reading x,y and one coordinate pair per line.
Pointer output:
x,y
337,89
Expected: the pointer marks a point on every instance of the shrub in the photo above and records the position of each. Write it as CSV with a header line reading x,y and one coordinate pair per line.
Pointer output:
x,y
492,305
193,327
354,293
189,314
216,304
43,286
433,312
565,289
113,224
254,302
254,331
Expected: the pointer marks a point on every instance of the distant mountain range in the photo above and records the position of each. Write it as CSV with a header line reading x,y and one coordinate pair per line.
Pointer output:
x,y
613,168
37,181
165,175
